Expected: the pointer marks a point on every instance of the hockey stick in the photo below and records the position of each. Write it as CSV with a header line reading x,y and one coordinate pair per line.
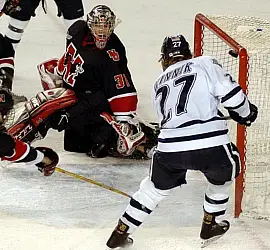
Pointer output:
x,y
82,178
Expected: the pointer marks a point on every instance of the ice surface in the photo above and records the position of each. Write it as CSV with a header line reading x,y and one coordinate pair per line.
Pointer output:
x,y
63,213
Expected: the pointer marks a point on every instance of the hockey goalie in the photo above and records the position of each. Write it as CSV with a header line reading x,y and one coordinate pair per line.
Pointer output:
x,y
101,119
54,108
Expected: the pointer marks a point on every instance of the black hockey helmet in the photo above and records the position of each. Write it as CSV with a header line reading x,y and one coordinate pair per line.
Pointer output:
x,y
101,21
6,101
173,49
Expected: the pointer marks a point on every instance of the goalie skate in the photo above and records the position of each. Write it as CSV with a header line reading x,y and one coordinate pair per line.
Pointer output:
x,y
213,232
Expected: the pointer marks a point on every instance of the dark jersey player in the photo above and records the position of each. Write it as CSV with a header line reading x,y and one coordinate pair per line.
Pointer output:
x,y
94,65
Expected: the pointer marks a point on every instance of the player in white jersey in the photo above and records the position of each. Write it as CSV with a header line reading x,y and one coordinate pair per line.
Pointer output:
x,y
193,136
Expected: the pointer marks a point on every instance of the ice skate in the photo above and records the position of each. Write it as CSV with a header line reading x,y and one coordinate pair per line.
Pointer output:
x,y
119,237
211,230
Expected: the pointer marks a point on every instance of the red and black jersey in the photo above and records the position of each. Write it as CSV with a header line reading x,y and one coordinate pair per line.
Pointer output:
x,y
84,68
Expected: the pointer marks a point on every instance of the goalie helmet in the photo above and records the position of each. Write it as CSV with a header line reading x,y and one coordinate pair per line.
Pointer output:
x,y
173,49
101,22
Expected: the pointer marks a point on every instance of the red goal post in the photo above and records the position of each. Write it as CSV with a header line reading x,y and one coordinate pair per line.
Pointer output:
x,y
201,24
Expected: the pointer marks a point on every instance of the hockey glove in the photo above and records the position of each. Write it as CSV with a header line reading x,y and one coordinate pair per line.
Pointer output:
x,y
48,164
49,77
127,140
247,120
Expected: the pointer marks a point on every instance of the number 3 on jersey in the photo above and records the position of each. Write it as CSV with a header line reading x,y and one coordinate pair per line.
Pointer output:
x,y
121,81
70,65
184,84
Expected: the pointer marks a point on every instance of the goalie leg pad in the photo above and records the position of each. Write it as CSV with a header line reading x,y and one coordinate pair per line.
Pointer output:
x,y
48,164
34,119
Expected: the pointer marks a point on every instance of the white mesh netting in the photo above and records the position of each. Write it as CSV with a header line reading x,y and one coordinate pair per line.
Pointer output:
x,y
254,35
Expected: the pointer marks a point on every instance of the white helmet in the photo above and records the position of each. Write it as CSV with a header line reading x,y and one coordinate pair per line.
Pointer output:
x,y
101,21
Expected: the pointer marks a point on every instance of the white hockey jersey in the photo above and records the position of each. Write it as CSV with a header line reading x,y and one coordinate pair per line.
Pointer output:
x,y
187,96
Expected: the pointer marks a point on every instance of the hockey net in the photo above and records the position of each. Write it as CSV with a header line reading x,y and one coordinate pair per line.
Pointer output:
x,y
241,45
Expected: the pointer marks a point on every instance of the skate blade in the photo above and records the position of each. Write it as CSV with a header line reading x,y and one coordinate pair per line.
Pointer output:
x,y
205,243
128,243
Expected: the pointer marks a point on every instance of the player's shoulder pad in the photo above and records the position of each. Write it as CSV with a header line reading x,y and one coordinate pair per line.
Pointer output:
x,y
75,28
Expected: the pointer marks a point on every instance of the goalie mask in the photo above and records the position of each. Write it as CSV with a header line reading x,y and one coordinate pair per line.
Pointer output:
x,y
174,49
101,21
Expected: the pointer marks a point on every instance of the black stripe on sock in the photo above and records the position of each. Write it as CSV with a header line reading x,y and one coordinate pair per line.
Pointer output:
x,y
15,29
218,213
217,202
139,206
132,220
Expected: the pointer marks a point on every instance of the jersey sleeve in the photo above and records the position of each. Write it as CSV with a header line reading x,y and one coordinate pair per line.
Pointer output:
x,y
21,152
123,95
227,90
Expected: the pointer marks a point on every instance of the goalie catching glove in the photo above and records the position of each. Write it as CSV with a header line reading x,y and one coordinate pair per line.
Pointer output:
x,y
247,120
48,164
127,140
50,79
